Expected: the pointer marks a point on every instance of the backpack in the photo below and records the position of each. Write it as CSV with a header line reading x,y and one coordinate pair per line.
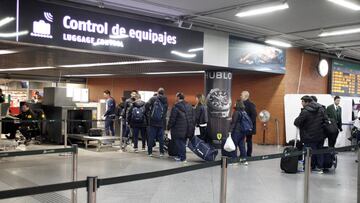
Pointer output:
x,y
137,114
157,111
246,123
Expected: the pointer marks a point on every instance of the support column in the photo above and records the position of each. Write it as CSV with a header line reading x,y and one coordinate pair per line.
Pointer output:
x,y
218,98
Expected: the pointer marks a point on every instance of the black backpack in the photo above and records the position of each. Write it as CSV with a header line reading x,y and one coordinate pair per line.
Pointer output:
x,y
137,114
157,111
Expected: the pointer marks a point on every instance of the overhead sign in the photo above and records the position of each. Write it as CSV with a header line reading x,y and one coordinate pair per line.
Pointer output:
x,y
8,20
345,79
254,56
57,25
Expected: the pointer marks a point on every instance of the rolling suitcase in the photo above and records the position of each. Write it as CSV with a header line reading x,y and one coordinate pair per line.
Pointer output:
x,y
290,164
330,160
202,149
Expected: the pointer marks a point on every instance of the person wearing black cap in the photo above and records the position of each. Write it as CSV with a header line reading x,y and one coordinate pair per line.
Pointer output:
x,y
310,122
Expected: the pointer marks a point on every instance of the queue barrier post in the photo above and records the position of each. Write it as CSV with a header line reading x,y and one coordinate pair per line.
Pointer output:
x,y
91,189
358,177
74,172
224,165
307,174
65,132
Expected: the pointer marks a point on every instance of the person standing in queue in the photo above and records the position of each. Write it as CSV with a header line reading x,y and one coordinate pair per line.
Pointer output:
x,y
181,125
201,116
310,122
250,109
137,122
109,114
334,113
236,129
156,110
128,103
2,96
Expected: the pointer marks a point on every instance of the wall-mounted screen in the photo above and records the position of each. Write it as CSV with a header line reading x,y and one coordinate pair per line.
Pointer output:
x,y
345,79
254,56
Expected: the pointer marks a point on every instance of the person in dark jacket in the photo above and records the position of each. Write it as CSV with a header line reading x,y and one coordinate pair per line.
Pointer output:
x,y
127,105
2,96
181,125
201,116
137,121
156,110
310,122
27,129
250,109
334,113
109,114
237,134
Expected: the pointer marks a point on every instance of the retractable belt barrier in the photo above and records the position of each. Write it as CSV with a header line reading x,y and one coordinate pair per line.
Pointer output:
x,y
38,152
142,176
54,120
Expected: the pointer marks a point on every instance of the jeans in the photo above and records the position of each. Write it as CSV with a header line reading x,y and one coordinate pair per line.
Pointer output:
x,y
239,141
136,132
318,159
109,126
156,133
181,147
203,134
249,144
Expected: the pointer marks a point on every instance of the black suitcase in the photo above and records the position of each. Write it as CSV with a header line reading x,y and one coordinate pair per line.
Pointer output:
x,y
170,147
289,164
330,160
95,132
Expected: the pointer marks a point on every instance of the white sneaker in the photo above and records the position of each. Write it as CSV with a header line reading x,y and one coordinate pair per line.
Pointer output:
x,y
150,155
246,163
136,150
161,155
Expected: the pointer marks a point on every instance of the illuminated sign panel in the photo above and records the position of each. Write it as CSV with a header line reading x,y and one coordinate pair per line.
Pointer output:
x,y
345,79
56,25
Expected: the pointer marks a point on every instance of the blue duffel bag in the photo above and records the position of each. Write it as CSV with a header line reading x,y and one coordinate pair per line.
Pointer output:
x,y
202,149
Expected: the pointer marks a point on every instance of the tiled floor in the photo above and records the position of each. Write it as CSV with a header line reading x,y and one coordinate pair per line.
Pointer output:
x,y
258,182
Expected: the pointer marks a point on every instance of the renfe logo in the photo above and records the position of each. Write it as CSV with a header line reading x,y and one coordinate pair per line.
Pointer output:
x,y
41,28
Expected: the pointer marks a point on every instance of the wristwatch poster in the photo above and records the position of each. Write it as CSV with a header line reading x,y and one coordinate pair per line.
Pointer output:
x,y
219,103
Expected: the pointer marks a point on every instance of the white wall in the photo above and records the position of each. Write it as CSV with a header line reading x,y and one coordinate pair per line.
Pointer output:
x,y
293,106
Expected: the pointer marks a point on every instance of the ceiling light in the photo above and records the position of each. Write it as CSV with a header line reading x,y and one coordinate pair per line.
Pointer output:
x,y
196,49
184,55
3,52
111,63
89,75
6,20
13,34
340,32
347,4
177,72
256,10
25,69
278,43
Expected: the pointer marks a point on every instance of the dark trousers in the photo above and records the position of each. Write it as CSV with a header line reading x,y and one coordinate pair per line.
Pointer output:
x,y
136,132
332,141
249,145
181,147
156,133
318,159
109,126
239,141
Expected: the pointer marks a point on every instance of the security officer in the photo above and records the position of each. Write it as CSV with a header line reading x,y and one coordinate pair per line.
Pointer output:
x,y
27,127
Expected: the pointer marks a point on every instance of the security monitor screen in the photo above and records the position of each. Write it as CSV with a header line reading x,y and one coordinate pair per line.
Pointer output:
x,y
345,79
